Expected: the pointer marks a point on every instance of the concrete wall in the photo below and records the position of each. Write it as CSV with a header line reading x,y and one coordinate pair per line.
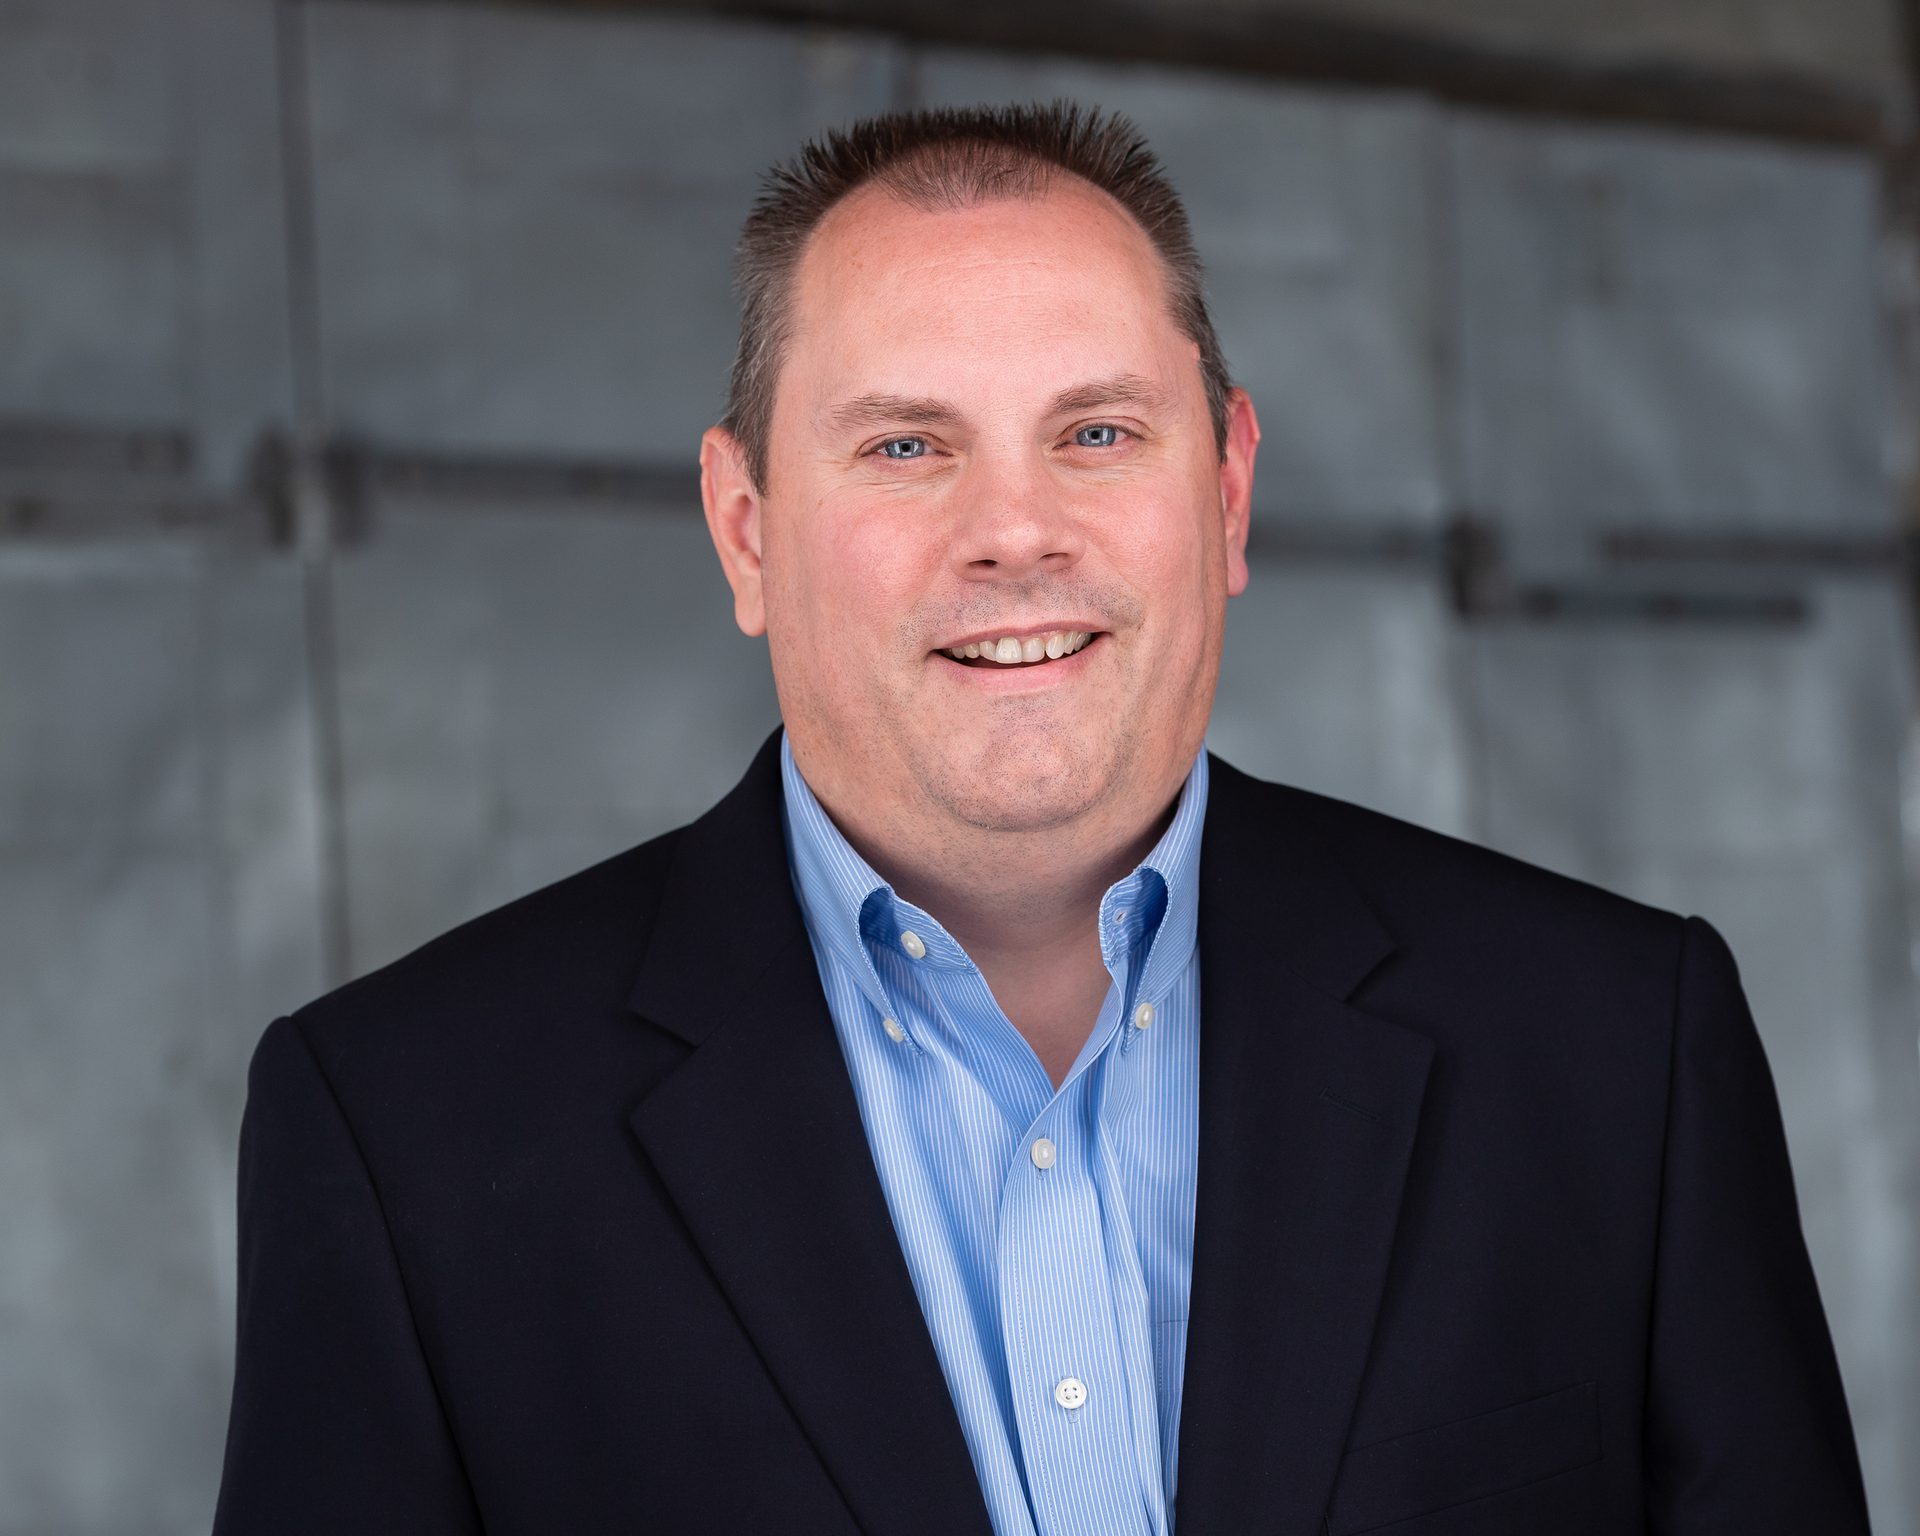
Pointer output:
x,y
521,222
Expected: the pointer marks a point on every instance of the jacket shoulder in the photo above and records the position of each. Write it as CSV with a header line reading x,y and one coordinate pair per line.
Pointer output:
x,y
1433,887
566,948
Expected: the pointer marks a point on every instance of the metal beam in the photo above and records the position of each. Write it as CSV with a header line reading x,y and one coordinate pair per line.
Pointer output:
x,y
1332,51
58,481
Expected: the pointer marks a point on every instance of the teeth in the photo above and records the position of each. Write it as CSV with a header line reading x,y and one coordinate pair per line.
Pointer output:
x,y
1013,650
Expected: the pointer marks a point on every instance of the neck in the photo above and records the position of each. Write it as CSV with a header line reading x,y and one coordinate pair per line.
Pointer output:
x,y
1023,904
1007,897
1005,892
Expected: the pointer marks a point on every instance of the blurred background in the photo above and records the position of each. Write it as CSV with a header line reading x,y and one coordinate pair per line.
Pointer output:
x,y
353,356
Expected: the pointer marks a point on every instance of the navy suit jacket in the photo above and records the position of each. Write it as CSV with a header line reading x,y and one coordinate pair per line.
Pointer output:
x,y
566,1222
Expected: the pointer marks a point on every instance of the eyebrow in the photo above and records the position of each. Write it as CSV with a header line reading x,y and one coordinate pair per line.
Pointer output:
x,y
924,411
884,410
1121,389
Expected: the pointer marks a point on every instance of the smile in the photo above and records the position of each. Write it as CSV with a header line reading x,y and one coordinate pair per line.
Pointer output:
x,y
1021,651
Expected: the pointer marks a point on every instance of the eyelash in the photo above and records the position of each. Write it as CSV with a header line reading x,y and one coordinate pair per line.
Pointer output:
x,y
878,450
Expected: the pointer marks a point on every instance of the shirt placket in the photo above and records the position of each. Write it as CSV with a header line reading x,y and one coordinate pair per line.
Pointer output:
x,y
1069,1373
1109,1086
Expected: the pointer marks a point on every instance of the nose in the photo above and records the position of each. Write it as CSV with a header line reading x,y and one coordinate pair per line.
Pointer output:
x,y
1012,528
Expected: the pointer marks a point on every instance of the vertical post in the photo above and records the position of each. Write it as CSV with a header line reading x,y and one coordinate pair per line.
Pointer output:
x,y
314,515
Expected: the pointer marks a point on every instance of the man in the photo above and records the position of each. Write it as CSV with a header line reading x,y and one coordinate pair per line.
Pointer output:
x,y
994,1115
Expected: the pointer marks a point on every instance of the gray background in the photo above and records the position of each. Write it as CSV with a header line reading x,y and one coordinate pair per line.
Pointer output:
x,y
254,741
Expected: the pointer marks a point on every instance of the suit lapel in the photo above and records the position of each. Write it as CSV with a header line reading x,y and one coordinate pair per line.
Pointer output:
x,y
757,1137
1308,1109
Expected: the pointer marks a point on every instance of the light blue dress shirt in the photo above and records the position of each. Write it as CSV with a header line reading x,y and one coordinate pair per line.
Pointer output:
x,y
1049,1234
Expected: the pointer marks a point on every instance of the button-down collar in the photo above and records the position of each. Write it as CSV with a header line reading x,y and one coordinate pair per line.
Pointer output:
x,y
849,907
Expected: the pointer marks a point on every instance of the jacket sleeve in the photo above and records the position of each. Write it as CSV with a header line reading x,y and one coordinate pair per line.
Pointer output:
x,y
336,1424
1747,1425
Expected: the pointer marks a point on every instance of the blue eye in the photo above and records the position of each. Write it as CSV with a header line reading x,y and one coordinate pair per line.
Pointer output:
x,y
904,448
1102,436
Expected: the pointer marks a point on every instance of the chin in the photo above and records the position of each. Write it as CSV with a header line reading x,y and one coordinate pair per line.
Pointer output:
x,y
1022,782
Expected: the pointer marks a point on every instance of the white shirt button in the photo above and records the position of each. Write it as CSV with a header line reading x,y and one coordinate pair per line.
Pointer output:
x,y
913,944
1070,1392
894,1032
1143,1016
1042,1153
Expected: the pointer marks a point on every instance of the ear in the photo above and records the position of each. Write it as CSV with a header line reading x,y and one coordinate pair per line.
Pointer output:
x,y
1236,484
732,503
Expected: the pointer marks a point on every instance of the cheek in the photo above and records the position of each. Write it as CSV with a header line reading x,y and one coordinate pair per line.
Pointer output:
x,y
837,571
1167,556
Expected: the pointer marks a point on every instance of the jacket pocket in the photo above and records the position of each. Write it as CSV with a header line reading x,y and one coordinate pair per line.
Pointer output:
x,y
1473,1458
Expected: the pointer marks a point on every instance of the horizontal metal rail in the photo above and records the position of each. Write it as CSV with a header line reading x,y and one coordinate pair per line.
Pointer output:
x,y
1313,47
60,481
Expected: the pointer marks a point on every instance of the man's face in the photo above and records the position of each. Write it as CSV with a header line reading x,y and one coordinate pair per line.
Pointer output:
x,y
988,432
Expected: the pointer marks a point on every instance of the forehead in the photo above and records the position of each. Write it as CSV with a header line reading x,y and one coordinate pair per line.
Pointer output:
x,y
1013,274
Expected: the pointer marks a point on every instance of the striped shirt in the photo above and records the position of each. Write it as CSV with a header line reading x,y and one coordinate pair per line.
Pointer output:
x,y
1049,1233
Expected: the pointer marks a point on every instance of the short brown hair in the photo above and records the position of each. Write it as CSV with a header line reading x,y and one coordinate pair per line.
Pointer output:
x,y
950,158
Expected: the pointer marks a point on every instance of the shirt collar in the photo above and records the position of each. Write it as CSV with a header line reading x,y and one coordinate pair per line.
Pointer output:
x,y
1160,901
840,893
844,900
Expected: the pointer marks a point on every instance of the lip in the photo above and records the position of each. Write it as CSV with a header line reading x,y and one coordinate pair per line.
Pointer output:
x,y
1021,632
1029,679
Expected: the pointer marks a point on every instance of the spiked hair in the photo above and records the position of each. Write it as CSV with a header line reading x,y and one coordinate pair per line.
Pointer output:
x,y
950,158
